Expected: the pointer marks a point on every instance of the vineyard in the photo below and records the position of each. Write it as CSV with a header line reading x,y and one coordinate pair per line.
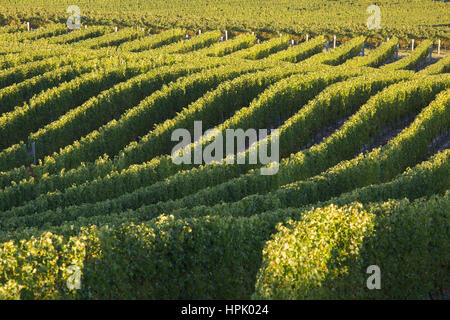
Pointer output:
x,y
420,19
88,179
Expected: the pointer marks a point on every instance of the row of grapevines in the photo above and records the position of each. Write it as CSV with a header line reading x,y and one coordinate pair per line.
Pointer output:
x,y
364,174
30,62
77,35
8,50
248,87
425,179
286,95
99,110
198,42
343,144
300,52
224,48
54,102
20,56
137,149
306,258
154,41
17,94
280,101
339,55
111,39
232,263
264,49
309,114
336,17
51,104
309,119
26,71
212,108
37,51
375,58
442,66
284,98
46,32
279,95
412,60
163,104
174,94
10,131
380,165
431,176
12,28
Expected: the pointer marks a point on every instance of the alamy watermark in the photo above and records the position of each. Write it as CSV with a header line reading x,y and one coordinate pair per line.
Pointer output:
x,y
74,21
374,281
213,152
374,21
74,280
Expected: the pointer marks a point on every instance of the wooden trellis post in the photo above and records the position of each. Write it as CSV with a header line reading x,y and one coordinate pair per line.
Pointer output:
x,y
226,35
334,42
32,151
307,37
439,47
199,31
412,45
115,29
28,26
